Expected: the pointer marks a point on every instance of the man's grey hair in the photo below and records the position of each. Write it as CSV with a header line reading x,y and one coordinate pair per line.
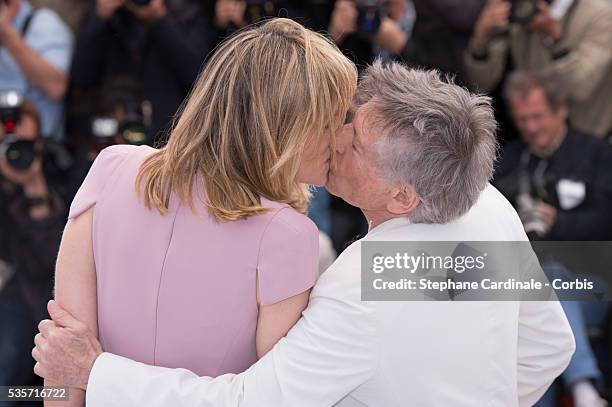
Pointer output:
x,y
438,138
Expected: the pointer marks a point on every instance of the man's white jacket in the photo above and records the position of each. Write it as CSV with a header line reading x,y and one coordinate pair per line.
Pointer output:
x,y
348,352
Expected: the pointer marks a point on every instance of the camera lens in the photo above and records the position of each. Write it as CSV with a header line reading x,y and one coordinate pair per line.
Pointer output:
x,y
20,154
369,16
523,11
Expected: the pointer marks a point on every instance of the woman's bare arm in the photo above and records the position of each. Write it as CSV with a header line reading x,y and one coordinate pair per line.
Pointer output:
x,y
275,320
75,283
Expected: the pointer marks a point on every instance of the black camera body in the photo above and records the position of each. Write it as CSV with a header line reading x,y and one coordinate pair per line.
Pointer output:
x,y
20,154
533,221
523,11
132,129
369,16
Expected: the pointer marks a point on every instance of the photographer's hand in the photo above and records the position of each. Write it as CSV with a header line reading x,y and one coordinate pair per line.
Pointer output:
x,y
397,9
496,13
549,214
544,24
390,36
343,20
156,10
230,11
105,9
238,13
8,11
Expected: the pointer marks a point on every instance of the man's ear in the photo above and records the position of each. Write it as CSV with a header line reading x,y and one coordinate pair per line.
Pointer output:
x,y
403,200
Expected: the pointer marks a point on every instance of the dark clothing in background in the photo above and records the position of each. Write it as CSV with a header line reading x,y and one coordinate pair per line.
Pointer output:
x,y
165,57
441,33
359,49
30,246
579,158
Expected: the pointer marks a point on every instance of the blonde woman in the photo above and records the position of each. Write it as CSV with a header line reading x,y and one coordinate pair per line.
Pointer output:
x,y
199,255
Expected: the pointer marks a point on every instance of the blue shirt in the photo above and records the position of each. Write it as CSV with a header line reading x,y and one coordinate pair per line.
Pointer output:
x,y
51,38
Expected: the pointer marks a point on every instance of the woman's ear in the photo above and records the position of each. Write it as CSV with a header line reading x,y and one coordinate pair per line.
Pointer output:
x,y
403,200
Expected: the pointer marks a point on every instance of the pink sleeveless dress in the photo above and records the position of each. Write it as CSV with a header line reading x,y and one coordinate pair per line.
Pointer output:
x,y
179,290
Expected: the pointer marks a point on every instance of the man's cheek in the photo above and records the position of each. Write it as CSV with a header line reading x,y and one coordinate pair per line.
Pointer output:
x,y
362,168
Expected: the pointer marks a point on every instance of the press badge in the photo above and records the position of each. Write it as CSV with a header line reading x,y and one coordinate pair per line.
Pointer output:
x,y
570,193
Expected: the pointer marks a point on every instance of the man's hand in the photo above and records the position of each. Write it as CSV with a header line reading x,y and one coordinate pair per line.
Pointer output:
x,y
549,213
343,20
544,24
8,11
390,36
495,14
156,10
396,9
105,9
65,349
230,11
224,10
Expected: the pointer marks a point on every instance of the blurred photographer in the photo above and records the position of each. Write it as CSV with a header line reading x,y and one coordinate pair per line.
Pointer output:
x,y
120,116
232,15
560,181
570,38
559,178
365,29
159,43
440,35
35,52
423,33
32,216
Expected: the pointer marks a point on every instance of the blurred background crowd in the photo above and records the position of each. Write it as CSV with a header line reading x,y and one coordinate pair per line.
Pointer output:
x,y
79,75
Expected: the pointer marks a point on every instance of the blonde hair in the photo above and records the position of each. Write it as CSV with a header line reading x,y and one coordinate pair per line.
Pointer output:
x,y
264,95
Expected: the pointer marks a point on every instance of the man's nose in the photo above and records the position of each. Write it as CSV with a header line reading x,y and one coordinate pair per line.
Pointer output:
x,y
532,127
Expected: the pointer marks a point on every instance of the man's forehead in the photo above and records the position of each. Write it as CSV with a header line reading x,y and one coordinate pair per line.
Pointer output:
x,y
535,96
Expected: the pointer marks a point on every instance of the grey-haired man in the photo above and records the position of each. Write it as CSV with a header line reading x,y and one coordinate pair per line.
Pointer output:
x,y
416,158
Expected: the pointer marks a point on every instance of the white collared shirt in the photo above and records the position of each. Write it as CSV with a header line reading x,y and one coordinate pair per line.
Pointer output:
x,y
348,352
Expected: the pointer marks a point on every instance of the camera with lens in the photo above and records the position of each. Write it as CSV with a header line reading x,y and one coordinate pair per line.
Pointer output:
x,y
19,154
132,128
533,221
369,16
